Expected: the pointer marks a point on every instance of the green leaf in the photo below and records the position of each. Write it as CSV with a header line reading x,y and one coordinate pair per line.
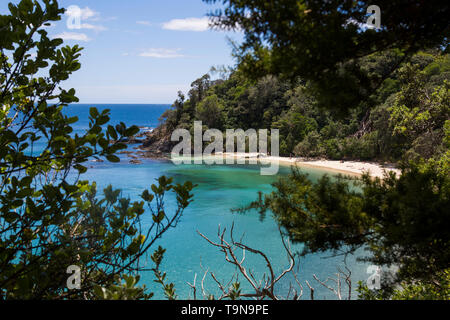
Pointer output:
x,y
113,158
131,131
93,112
72,120
81,169
147,196
26,181
160,217
112,133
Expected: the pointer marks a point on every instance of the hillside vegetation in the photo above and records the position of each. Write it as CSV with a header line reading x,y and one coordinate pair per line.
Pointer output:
x,y
406,118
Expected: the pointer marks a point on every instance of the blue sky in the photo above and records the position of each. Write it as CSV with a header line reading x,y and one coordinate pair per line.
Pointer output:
x,y
140,51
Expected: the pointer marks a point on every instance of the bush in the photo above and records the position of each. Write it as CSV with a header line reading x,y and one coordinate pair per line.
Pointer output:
x,y
311,146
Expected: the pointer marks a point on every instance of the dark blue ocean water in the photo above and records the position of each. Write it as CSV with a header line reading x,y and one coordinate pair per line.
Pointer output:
x,y
131,114
220,188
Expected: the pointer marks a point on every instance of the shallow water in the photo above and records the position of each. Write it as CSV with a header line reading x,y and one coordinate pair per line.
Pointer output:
x,y
220,188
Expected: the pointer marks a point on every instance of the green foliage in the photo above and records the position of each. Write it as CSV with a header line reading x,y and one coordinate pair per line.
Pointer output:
x,y
333,149
210,111
169,290
416,109
322,41
311,146
124,288
402,220
404,115
104,237
399,113
438,289
392,85
48,220
235,291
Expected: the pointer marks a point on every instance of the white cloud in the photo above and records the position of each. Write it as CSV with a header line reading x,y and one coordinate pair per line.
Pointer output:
x,y
73,36
144,23
107,19
161,53
188,24
92,27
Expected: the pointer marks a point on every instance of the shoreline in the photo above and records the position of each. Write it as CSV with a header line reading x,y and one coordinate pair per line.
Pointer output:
x,y
353,168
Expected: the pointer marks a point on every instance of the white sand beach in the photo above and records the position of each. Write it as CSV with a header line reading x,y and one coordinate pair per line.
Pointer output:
x,y
356,168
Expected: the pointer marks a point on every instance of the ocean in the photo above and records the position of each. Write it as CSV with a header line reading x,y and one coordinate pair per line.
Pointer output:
x,y
220,188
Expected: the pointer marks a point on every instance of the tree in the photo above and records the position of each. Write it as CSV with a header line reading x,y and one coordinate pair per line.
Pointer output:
x,y
199,88
419,111
401,221
349,66
49,218
209,111
326,41
264,287
311,146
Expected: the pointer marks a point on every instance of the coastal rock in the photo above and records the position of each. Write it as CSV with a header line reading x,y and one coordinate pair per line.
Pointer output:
x,y
157,143
132,140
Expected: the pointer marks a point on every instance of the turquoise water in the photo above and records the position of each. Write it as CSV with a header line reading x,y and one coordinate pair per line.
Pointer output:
x,y
220,188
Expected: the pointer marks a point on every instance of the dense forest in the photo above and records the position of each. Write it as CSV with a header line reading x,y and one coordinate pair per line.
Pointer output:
x,y
406,118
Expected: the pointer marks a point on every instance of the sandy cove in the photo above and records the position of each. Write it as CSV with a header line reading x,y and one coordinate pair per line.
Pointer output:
x,y
356,168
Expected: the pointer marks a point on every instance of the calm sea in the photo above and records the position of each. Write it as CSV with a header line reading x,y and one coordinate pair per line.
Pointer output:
x,y
220,188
